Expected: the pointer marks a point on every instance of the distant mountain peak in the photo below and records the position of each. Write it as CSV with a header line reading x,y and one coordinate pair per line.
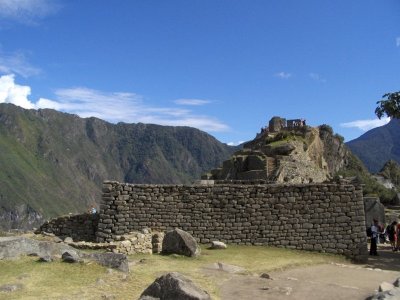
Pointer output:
x,y
378,145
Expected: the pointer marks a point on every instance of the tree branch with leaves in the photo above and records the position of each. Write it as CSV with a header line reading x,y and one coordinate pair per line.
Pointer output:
x,y
389,105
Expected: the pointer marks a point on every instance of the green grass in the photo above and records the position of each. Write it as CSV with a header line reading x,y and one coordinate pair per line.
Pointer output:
x,y
71,281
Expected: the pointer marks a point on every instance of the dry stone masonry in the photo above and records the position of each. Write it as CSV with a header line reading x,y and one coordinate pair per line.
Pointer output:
x,y
320,217
79,227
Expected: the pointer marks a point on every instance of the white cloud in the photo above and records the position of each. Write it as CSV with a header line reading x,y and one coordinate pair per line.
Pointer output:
x,y
194,102
366,125
113,107
283,75
398,41
14,93
16,63
317,77
235,143
27,11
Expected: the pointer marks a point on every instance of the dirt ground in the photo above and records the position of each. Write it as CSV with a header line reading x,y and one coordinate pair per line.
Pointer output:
x,y
327,281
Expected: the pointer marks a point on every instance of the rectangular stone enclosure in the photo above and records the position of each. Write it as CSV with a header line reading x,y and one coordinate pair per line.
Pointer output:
x,y
320,217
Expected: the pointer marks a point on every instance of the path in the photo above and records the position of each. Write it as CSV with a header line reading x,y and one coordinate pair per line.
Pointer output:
x,y
328,281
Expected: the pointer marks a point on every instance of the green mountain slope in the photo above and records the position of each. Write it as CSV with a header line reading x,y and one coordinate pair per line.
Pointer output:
x,y
378,146
53,163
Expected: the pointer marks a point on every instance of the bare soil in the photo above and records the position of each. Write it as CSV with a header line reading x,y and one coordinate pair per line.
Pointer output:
x,y
326,281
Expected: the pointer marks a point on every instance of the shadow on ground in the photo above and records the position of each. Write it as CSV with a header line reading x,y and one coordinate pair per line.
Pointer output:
x,y
386,260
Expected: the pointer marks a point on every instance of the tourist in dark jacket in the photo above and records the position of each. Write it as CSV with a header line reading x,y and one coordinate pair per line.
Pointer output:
x,y
391,233
374,238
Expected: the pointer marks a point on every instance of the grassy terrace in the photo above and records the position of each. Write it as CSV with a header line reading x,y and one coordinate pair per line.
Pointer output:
x,y
59,280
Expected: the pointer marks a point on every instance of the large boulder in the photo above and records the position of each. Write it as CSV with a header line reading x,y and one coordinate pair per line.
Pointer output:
x,y
174,286
180,242
14,246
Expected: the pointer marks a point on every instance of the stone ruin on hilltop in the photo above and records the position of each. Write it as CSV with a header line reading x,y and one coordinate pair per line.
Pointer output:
x,y
285,151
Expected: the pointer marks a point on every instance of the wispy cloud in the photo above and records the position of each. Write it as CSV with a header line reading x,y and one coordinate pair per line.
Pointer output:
x,y
283,75
317,77
365,125
16,63
110,106
27,11
235,143
192,102
398,41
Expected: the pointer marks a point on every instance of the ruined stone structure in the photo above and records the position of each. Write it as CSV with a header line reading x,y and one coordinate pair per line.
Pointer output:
x,y
276,124
296,123
320,217
79,227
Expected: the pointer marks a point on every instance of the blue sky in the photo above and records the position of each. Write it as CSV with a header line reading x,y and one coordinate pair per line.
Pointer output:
x,y
223,66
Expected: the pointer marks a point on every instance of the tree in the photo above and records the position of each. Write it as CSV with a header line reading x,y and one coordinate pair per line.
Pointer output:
x,y
389,105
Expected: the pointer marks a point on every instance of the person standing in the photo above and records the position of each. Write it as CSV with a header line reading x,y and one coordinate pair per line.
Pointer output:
x,y
398,236
374,238
391,233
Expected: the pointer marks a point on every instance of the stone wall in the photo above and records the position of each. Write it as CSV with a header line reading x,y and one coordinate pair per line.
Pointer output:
x,y
79,227
320,217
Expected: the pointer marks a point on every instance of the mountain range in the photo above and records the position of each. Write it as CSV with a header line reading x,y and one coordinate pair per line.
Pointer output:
x,y
377,146
53,163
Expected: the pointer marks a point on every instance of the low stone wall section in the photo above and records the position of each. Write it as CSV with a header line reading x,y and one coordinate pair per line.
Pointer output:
x,y
320,217
79,227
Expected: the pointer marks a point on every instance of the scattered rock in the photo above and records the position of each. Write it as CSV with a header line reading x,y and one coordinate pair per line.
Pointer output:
x,y
181,242
218,245
100,281
11,287
265,275
174,286
385,286
70,257
396,283
46,258
68,240
111,260
387,291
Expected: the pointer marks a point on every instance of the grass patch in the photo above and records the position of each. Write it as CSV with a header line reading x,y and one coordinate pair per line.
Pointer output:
x,y
59,280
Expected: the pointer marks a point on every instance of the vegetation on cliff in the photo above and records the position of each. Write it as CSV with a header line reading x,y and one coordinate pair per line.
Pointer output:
x,y
54,163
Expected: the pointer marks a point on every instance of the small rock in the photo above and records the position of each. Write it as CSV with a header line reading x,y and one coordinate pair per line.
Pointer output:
x,y
46,258
396,283
265,275
385,286
146,230
68,240
70,257
218,245
10,287
100,281
48,234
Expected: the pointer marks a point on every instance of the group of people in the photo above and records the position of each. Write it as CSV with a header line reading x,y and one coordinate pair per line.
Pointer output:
x,y
377,232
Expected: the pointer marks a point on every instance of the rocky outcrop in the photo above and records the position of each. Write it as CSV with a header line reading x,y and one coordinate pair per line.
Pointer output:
x,y
180,242
293,155
387,291
20,217
174,286
13,247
